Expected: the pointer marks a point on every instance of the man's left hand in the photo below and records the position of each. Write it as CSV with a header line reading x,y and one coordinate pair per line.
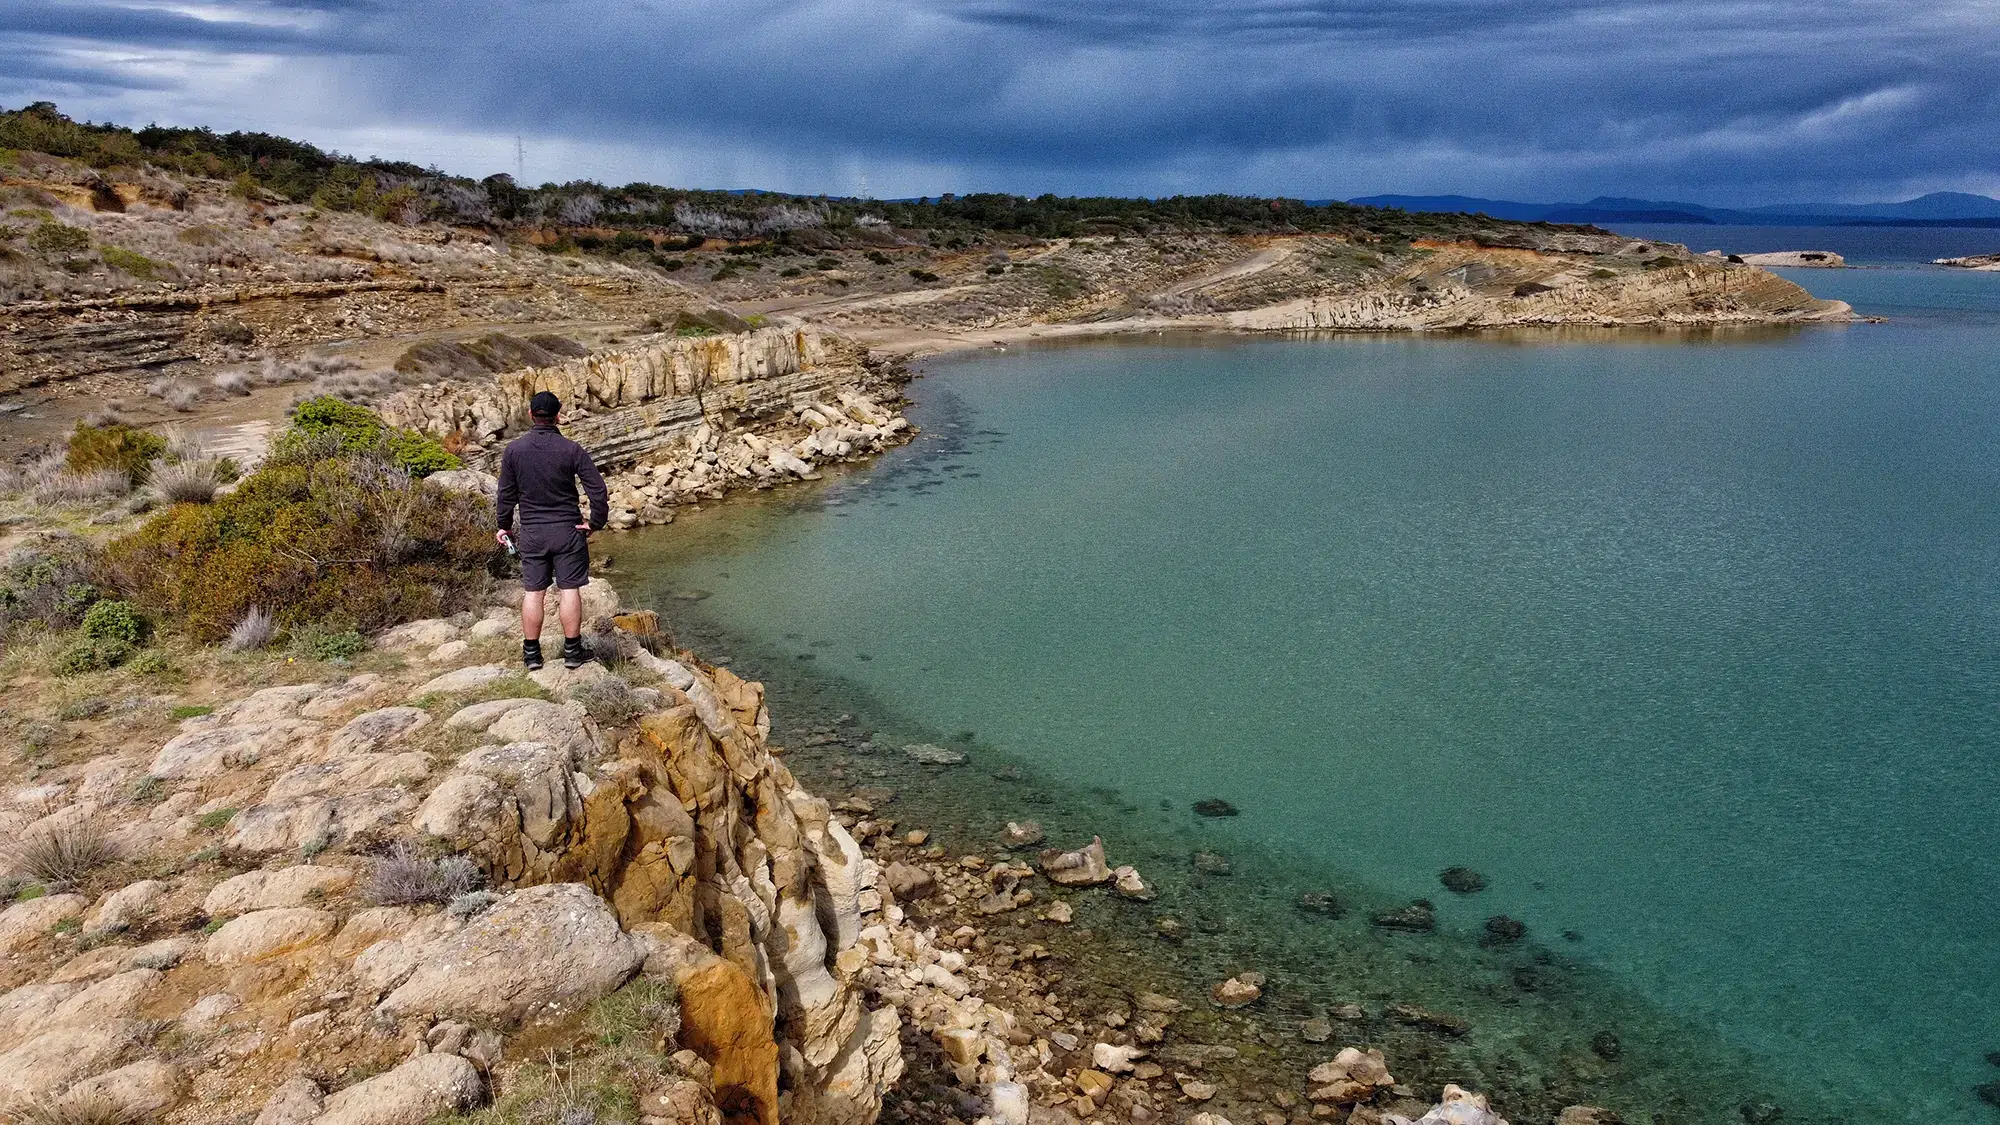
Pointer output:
x,y
583,527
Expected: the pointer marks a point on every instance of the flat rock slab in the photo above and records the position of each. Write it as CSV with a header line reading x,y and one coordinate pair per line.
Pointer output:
x,y
273,890
23,922
365,734
463,679
416,1092
268,933
214,750
538,953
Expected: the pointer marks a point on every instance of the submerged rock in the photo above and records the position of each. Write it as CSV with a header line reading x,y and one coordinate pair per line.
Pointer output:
x,y
1023,835
1462,880
1322,903
1351,1076
931,755
1588,1115
1459,1106
1605,1045
1084,867
1502,930
1129,885
1210,863
1418,917
1239,991
1214,806
1440,1023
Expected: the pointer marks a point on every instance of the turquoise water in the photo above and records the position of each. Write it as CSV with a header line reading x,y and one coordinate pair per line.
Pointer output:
x,y
1687,642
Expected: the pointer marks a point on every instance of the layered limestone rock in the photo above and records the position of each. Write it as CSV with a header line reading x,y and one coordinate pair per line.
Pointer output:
x,y
625,404
697,830
1459,288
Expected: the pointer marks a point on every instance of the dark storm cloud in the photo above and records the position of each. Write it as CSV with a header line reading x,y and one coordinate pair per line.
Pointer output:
x,y
1727,101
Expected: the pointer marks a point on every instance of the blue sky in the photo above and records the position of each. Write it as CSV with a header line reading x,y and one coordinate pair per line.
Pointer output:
x,y
1731,103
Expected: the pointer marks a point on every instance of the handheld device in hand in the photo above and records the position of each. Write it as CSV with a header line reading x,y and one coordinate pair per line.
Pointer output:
x,y
512,551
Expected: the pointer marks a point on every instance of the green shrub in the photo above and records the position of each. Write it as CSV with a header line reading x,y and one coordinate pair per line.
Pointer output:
x,y
189,711
417,454
320,642
52,237
91,655
115,621
127,449
128,261
343,536
151,662
47,582
357,427
325,427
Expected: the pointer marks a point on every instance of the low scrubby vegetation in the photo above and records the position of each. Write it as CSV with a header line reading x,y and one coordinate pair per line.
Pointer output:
x,y
336,534
651,222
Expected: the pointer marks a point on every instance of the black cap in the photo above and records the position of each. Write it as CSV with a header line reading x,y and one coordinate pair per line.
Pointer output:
x,y
544,405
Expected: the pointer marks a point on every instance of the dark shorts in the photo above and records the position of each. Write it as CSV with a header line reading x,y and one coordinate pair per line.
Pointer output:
x,y
557,552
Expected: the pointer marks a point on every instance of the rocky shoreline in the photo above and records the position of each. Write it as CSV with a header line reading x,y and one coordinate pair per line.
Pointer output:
x,y
275,960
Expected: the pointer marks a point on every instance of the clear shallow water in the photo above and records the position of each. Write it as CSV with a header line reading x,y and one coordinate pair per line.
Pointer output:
x,y
1687,643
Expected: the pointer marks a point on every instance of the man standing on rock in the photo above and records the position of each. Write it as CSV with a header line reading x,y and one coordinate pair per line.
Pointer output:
x,y
538,473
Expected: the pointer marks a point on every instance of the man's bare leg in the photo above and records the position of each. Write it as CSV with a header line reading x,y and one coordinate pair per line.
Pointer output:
x,y
531,613
569,610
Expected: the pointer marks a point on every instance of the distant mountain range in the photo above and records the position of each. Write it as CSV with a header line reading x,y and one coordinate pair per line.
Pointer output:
x,y
1938,209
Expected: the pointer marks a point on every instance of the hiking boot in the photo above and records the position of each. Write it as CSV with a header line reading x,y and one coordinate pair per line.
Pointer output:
x,y
531,654
574,655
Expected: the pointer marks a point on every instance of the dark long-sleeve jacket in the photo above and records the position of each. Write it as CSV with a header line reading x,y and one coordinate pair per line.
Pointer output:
x,y
538,473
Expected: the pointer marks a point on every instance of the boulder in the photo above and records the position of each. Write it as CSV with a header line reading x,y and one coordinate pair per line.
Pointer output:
x,y
466,480
25,922
53,1059
1081,868
423,1088
1351,1076
296,1101
539,952
416,635
262,934
124,908
466,679
142,1091
1114,1059
908,882
270,890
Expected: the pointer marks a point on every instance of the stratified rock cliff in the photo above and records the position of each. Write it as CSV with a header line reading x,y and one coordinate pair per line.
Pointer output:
x,y
625,404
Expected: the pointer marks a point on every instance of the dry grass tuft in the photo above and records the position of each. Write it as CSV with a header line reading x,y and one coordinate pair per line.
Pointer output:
x,y
406,876
185,482
69,1109
66,487
65,856
255,631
